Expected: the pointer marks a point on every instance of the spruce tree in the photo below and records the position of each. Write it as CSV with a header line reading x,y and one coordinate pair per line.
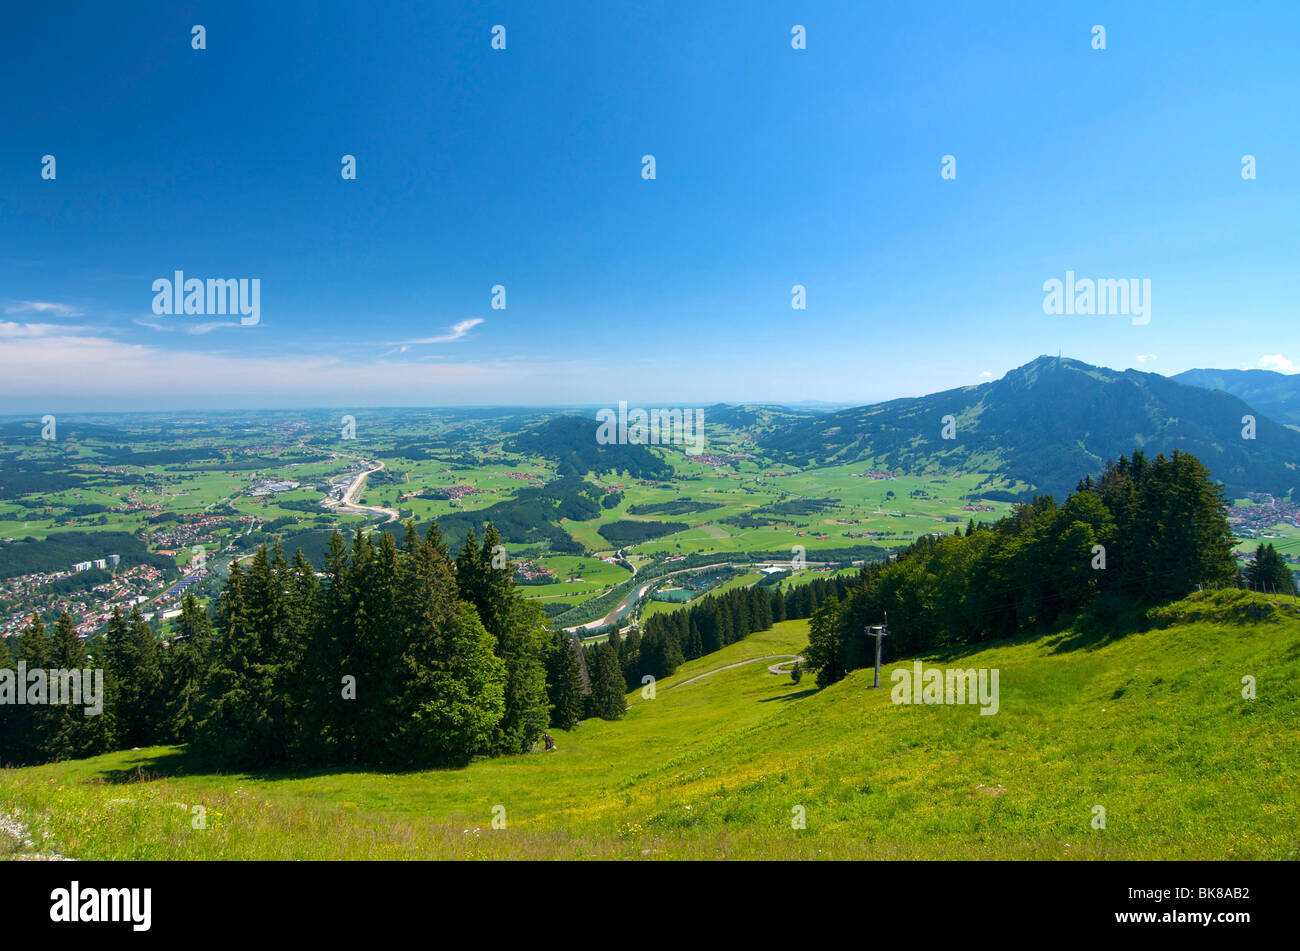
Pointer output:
x,y
69,731
35,651
455,693
607,687
630,658
486,581
377,647
233,725
778,605
326,713
824,651
454,685
563,682
1268,572
9,738
522,647
134,669
304,615
183,666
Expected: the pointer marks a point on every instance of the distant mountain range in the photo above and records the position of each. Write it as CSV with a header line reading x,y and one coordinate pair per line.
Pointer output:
x,y
1048,423
1276,395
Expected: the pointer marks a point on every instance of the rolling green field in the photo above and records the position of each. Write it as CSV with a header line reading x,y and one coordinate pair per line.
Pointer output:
x,y
176,481
1152,726
592,576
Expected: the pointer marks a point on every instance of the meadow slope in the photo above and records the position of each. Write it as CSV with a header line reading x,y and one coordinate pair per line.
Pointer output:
x,y
1151,725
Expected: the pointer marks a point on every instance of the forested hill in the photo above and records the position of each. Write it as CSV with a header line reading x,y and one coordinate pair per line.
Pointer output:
x,y
1047,421
570,441
1276,395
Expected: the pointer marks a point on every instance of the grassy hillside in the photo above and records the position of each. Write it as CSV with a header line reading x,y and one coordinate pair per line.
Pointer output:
x,y
1152,726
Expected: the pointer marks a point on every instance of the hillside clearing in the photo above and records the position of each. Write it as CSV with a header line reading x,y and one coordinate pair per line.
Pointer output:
x,y
1151,726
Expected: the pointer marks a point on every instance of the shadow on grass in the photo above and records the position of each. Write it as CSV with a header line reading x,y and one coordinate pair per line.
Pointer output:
x,y
180,761
797,695
1089,630
1093,630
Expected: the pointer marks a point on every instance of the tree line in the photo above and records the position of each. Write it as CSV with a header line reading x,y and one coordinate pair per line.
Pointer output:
x,y
1144,532
393,655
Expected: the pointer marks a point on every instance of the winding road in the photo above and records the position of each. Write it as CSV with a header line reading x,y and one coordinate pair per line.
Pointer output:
x,y
348,504
772,669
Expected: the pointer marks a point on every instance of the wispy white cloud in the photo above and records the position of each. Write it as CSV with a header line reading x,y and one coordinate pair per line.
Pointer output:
x,y
454,332
1144,357
50,365
209,327
11,329
985,375
42,307
1275,361
151,324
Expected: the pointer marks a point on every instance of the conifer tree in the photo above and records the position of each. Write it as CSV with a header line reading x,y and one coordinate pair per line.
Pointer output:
x,y
563,682
824,652
522,647
9,736
34,651
326,713
68,730
377,646
134,673
183,666
778,605
485,578
630,658
455,695
303,618
453,684
1268,572
234,725
607,687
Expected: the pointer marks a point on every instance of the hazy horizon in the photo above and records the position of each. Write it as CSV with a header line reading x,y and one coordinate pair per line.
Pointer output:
x,y
659,401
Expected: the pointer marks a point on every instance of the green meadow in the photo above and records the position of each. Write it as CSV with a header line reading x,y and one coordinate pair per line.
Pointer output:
x,y
577,577
1150,725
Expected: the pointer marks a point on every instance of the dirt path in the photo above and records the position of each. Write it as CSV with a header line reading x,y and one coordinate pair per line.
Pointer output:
x,y
753,660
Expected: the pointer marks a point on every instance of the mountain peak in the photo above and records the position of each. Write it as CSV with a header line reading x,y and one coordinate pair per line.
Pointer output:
x,y
1045,422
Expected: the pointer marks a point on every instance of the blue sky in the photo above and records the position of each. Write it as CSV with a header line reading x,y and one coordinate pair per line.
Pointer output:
x,y
522,167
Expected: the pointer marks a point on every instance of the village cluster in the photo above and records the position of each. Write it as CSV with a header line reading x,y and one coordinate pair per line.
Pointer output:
x,y
22,597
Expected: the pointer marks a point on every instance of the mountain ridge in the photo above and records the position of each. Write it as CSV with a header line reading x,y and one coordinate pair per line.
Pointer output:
x,y
1046,421
1277,395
